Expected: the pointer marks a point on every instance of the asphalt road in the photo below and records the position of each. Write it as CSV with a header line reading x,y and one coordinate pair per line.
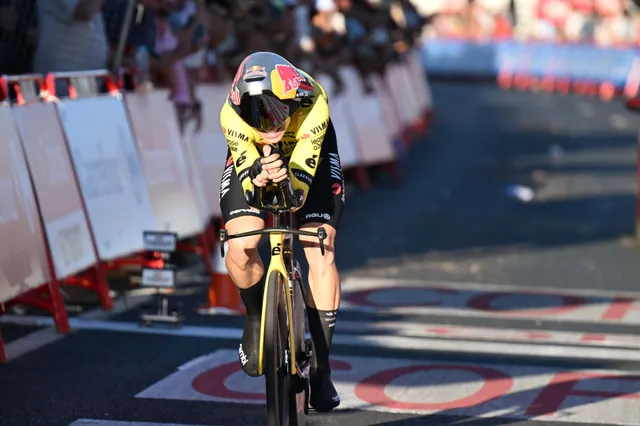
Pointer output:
x,y
462,304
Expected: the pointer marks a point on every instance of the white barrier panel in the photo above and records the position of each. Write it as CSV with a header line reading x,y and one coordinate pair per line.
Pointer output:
x,y
347,148
208,148
365,112
61,208
392,79
161,153
23,257
418,74
389,108
109,173
411,90
194,175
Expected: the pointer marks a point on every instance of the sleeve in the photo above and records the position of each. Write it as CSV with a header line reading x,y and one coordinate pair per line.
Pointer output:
x,y
239,137
305,156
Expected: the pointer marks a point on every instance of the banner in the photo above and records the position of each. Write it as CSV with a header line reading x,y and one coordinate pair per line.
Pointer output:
x,y
23,259
55,185
163,160
109,172
575,62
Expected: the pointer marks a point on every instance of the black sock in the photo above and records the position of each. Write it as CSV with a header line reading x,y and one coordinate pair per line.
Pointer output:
x,y
321,326
252,299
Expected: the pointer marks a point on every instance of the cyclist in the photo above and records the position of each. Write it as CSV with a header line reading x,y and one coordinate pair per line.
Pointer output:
x,y
277,125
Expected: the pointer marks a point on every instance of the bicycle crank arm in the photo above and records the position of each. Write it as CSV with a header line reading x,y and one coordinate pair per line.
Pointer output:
x,y
321,234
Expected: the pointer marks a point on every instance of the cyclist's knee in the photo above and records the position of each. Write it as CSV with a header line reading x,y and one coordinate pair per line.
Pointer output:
x,y
242,251
317,262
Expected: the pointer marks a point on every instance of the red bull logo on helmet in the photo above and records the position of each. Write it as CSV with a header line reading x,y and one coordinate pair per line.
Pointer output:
x,y
292,80
234,93
255,71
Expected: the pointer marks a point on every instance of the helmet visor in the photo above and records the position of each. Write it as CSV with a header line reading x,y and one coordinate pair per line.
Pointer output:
x,y
264,112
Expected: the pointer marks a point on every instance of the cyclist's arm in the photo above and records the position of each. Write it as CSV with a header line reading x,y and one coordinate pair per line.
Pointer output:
x,y
239,137
306,154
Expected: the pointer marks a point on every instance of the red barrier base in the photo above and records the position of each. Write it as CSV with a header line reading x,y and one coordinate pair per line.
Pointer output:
x,y
94,279
505,80
48,298
563,86
222,295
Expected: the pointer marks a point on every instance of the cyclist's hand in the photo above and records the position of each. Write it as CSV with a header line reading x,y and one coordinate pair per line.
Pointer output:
x,y
279,175
270,162
259,176
262,179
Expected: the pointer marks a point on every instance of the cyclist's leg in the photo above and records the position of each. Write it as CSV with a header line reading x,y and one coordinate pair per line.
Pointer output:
x,y
243,262
323,207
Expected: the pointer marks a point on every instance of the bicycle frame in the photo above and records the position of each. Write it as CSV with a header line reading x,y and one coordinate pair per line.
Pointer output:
x,y
280,242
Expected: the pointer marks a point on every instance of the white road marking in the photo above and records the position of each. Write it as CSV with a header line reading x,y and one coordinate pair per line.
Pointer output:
x,y
449,298
362,282
31,342
474,300
426,343
90,422
430,387
41,338
538,336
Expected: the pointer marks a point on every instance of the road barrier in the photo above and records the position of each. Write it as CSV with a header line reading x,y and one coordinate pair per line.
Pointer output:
x,y
83,176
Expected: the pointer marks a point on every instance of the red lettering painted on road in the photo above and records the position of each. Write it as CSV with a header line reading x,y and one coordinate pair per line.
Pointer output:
x,y
593,338
363,297
340,365
562,385
372,389
484,302
439,330
536,335
213,382
619,308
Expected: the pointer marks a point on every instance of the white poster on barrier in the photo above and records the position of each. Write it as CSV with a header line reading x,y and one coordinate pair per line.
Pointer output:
x,y
56,187
365,112
23,257
419,75
158,139
109,173
411,89
195,176
389,108
392,79
347,145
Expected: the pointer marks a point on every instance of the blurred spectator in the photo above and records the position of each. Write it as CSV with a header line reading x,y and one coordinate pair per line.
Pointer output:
x,y
141,31
17,36
187,41
325,47
71,36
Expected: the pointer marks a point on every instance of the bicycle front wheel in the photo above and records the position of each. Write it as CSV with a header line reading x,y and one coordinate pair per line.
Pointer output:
x,y
277,376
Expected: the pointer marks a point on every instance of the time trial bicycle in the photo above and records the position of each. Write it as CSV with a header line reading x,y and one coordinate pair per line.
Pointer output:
x,y
284,352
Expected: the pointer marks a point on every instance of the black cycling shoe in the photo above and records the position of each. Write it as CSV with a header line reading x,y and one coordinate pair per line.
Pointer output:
x,y
324,396
249,347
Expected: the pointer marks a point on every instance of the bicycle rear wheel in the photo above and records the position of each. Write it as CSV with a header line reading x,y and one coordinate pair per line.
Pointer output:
x,y
276,371
299,395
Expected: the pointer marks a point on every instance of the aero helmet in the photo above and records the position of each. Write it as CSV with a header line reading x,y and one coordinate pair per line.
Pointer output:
x,y
267,90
